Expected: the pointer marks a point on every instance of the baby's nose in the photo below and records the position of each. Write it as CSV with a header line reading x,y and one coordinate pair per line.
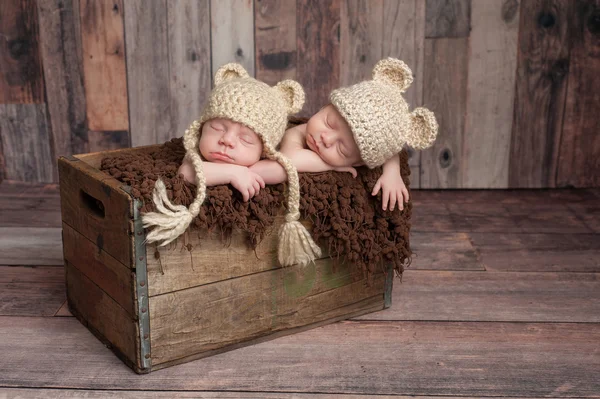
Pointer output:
x,y
227,139
327,139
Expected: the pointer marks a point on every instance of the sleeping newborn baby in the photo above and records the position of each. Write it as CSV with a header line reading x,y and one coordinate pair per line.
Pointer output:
x,y
365,124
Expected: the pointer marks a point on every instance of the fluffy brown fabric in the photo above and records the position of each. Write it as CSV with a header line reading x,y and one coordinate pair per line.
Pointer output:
x,y
347,220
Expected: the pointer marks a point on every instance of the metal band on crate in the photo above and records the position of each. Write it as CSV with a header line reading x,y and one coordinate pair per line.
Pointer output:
x,y
389,283
141,275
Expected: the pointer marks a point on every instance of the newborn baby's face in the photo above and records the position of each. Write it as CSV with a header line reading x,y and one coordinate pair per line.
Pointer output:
x,y
225,141
329,135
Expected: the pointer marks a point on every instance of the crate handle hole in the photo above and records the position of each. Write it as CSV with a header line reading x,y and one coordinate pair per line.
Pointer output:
x,y
92,204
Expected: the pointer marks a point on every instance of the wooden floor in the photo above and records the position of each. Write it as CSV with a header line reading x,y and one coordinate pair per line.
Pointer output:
x,y
503,300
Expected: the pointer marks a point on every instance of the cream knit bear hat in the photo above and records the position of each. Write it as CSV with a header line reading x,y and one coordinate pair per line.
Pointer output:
x,y
265,110
378,114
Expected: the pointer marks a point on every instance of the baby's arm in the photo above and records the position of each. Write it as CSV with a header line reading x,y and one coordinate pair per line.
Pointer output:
x,y
392,186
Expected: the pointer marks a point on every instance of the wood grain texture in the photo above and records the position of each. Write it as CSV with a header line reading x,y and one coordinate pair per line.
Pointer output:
x,y
104,64
541,252
101,314
492,296
30,246
404,38
94,205
448,18
361,37
111,276
29,205
275,40
249,307
31,291
490,94
443,251
148,79
319,46
541,88
60,48
444,92
578,161
107,141
447,358
232,33
63,311
26,139
188,37
21,79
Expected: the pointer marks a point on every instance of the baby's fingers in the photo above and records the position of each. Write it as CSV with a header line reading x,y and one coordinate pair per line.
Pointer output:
x,y
245,194
393,199
376,188
386,199
405,193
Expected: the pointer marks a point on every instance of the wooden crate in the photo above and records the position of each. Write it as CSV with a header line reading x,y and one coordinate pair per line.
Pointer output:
x,y
157,307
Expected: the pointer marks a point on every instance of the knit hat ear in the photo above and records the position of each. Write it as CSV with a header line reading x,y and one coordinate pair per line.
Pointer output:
x,y
424,129
293,94
394,72
230,71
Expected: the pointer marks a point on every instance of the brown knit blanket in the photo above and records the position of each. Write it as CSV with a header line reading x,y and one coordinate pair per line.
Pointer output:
x,y
347,220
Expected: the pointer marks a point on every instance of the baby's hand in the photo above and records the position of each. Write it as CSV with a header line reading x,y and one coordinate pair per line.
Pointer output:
x,y
393,190
349,169
247,182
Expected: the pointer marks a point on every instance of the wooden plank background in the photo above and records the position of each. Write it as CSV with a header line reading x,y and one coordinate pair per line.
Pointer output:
x,y
512,82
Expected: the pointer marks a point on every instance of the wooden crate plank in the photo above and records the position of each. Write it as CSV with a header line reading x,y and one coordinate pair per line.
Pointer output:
x,y
114,278
578,162
443,251
538,252
444,91
275,40
25,137
318,46
29,205
541,83
147,61
404,38
490,94
105,77
30,246
361,37
94,204
241,309
31,291
232,33
21,78
189,61
60,47
99,312
494,296
442,358
448,18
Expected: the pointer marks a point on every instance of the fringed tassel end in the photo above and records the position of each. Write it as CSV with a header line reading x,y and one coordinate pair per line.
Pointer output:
x,y
296,246
169,222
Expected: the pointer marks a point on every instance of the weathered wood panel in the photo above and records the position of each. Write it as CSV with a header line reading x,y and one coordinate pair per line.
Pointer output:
x,y
31,291
110,275
404,38
448,18
542,252
26,143
104,64
541,88
490,94
443,251
147,62
94,205
444,92
241,309
361,37
318,45
579,152
188,24
30,246
445,358
21,79
29,205
232,33
275,40
107,141
494,296
99,312
60,46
